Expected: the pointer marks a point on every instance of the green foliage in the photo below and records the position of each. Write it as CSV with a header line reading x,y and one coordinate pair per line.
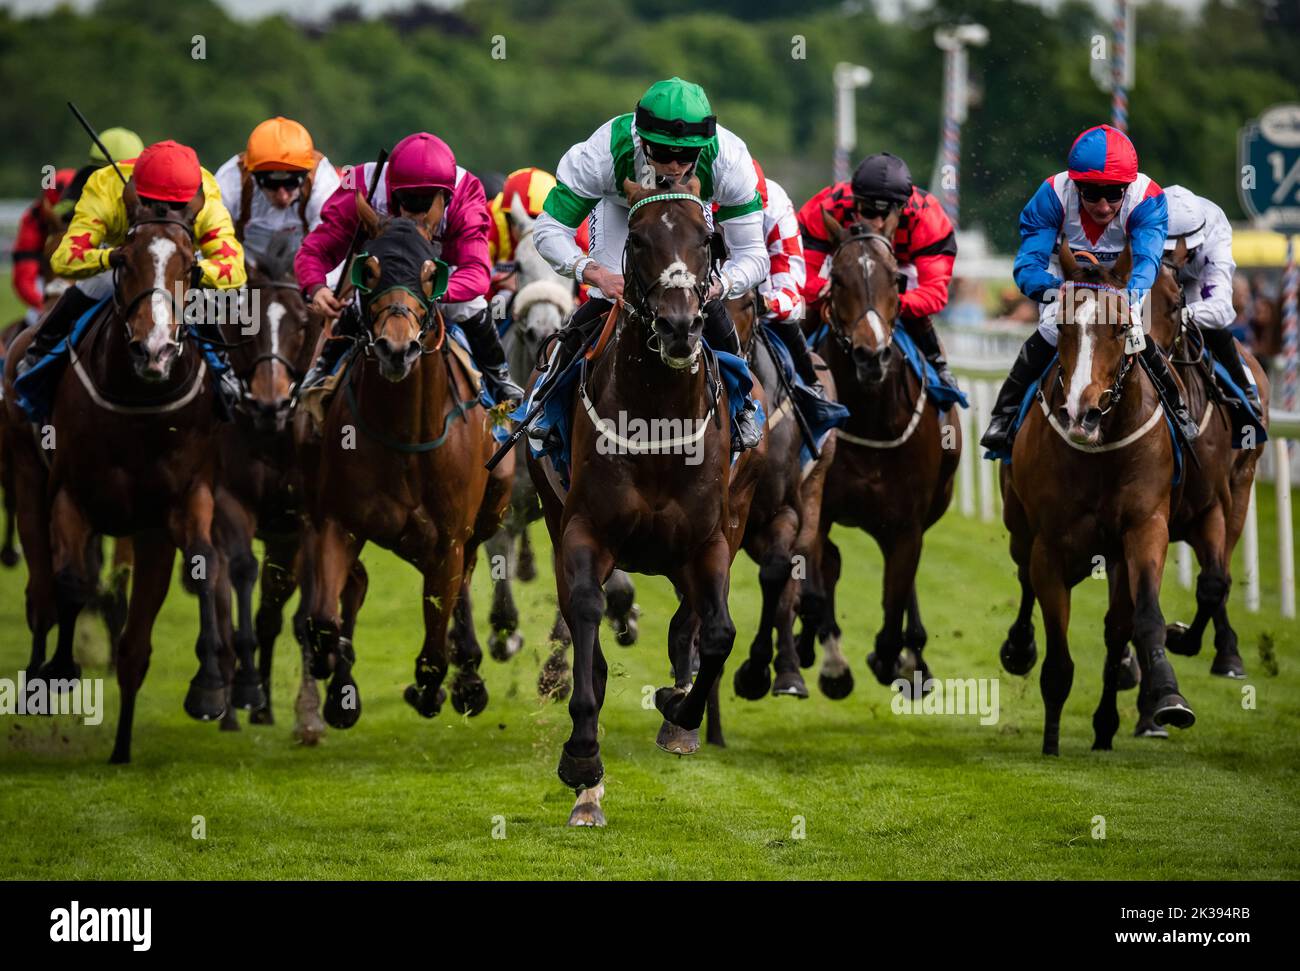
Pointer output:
x,y
571,64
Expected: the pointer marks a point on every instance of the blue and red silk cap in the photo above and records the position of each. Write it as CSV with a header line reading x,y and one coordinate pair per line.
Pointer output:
x,y
1103,154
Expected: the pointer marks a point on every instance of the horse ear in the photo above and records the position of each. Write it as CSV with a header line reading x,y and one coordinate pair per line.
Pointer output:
x,y
131,199
195,206
370,221
433,218
632,189
1123,265
1069,265
692,185
519,215
370,272
427,272
833,227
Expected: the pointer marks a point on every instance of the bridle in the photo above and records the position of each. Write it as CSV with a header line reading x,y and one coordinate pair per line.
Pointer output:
x,y
245,376
636,298
1112,394
837,329
194,271
426,320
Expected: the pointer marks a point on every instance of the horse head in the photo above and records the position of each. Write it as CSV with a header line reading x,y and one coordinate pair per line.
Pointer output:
x,y
543,298
862,307
400,277
667,265
151,284
1093,319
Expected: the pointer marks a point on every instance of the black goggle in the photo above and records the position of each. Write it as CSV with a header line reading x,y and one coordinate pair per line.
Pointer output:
x,y
685,154
278,180
413,201
873,208
1093,192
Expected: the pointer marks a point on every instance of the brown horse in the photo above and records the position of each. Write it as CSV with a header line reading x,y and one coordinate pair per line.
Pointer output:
x,y
132,426
781,532
1212,509
894,460
1090,484
673,506
401,463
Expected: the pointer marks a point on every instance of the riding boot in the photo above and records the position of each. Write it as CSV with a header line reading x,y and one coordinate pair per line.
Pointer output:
x,y
571,338
345,330
490,356
226,385
791,335
921,330
1223,347
1158,371
720,334
1032,361
55,326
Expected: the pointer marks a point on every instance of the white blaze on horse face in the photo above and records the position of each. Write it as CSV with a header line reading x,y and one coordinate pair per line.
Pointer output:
x,y
274,314
162,250
677,276
877,328
667,222
1082,376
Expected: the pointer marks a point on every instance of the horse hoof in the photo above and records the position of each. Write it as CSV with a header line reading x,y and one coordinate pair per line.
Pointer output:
x,y
342,706
248,697
836,687
505,645
1146,728
669,702
526,567
229,723
58,675
1227,664
1177,641
790,684
677,740
309,731
579,773
427,703
1173,709
469,695
1018,660
1130,674
261,716
885,677
587,814
626,632
1102,745
752,682
321,665
9,557
205,704
554,682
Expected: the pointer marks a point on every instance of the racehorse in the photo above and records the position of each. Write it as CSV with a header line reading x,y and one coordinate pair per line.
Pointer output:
x,y
132,425
402,453
782,527
1212,509
632,503
541,303
1090,480
895,458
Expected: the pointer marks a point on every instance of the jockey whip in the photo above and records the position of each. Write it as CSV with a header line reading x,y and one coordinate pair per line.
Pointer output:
x,y
343,281
94,137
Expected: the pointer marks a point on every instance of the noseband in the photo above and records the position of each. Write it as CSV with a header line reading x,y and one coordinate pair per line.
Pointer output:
x,y
194,271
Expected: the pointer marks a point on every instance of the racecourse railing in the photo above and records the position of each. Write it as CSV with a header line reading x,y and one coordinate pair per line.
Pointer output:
x,y
981,358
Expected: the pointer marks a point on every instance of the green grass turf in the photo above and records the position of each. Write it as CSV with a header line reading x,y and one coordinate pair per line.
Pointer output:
x,y
880,795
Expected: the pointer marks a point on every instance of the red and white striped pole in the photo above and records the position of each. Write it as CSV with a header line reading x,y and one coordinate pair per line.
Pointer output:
x,y
1119,93
1290,338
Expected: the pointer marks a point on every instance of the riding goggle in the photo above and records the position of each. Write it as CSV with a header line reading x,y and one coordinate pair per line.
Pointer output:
x,y
409,200
873,208
1094,192
664,154
279,180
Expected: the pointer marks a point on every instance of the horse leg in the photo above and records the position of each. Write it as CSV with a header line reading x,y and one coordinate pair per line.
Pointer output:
x,y
278,584
555,680
70,536
1118,631
1057,673
332,652
836,677
115,600
9,555
221,590
902,554
441,586
505,641
247,692
34,532
469,695
683,629
151,577
308,726
583,564
191,528
705,582
621,607
915,636
527,559
1019,652
1145,546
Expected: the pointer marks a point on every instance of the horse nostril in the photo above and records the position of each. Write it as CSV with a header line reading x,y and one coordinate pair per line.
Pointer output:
x,y
1063,415
1091,418
861,356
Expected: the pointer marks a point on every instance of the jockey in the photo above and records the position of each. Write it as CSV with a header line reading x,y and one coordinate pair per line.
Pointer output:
x,y
420,167
1206,278
279,183
165,174
782,291
675,132
1099,205
38,223
925,243
531,187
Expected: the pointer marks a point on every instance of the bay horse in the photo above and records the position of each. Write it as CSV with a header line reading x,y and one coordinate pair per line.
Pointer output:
x,y
1212,508
781,531
1090,480
634,504
895,458
133,427
401,464
543,300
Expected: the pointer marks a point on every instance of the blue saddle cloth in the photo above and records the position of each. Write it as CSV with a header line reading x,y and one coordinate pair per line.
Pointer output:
x,y
942,395
820,414
558,411
1028,402
35,390
1252,419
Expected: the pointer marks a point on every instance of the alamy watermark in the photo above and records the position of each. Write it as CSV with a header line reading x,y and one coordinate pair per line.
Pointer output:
x,y
947,696
83,697
652,436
